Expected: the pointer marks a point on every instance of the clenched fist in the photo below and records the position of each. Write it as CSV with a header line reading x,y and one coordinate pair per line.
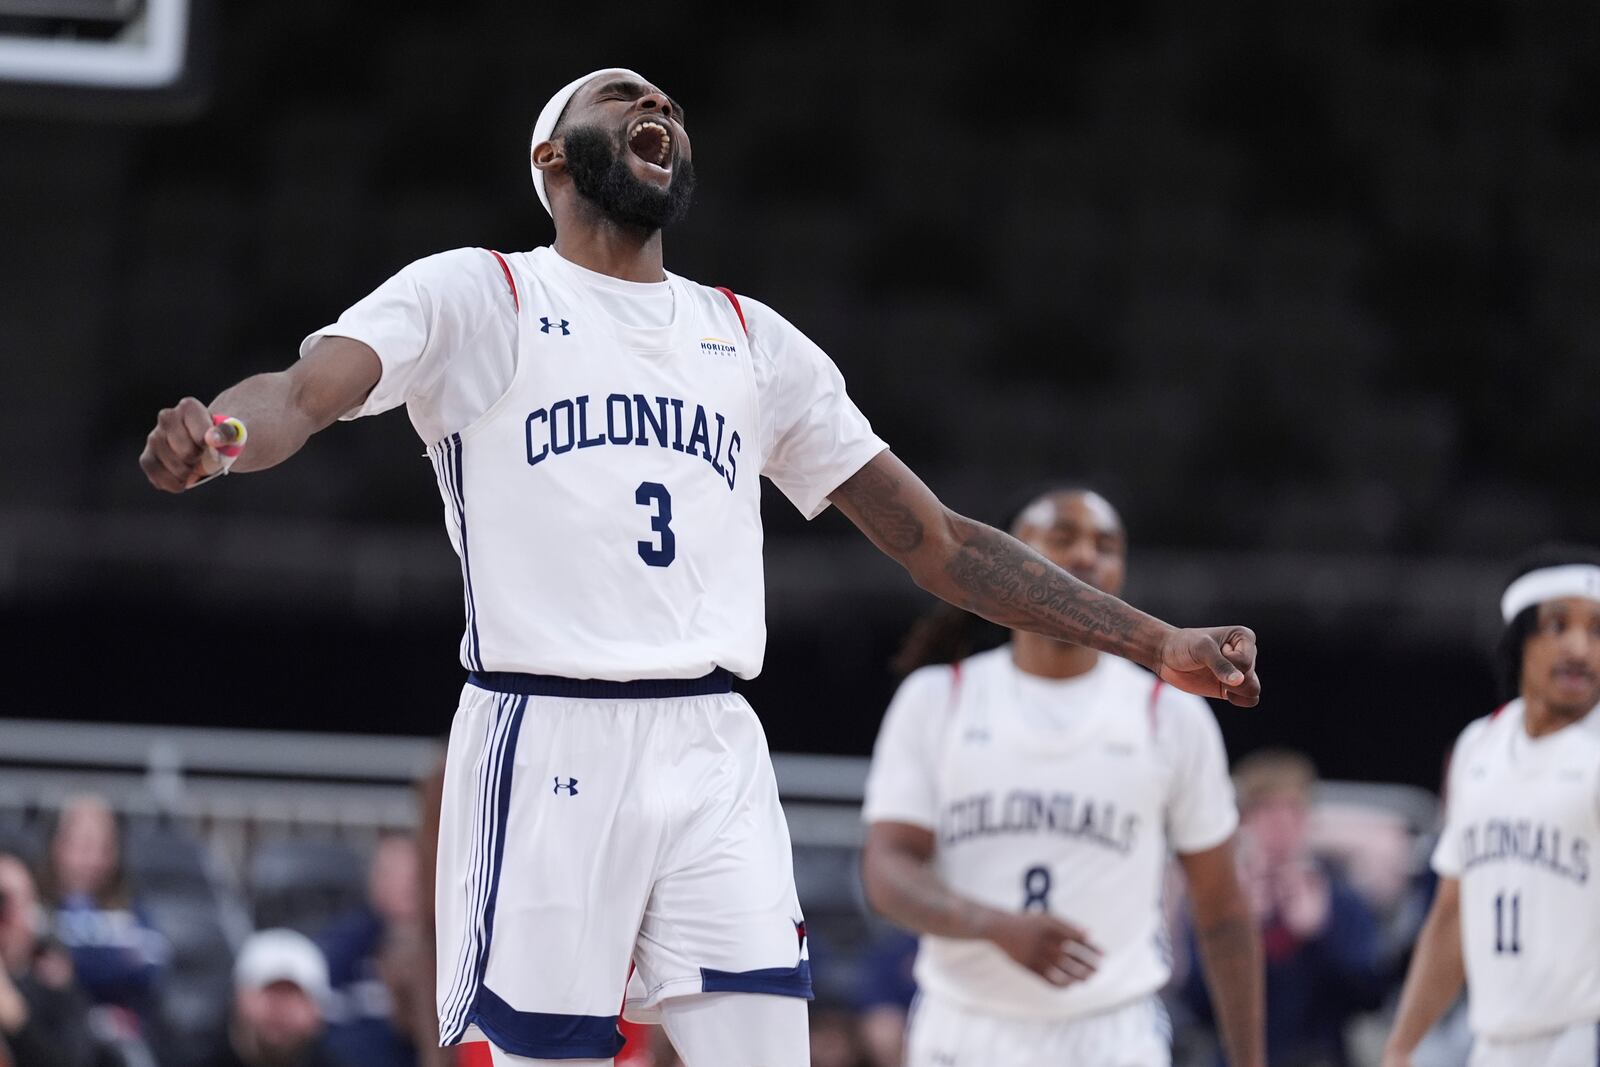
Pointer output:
x,y
1218,661
184,448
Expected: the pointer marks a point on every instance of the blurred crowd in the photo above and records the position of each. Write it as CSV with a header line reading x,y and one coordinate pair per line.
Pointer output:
x,y
124,945
135,953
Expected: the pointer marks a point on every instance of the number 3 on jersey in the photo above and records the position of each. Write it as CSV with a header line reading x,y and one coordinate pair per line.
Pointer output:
x,y
657,555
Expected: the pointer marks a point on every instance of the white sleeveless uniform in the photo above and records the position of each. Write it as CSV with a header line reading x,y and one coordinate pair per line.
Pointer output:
x,y
1522,833
1064,795
608,801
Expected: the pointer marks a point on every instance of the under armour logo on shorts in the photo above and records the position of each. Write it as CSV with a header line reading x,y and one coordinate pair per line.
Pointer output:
x,y
571,787
548,326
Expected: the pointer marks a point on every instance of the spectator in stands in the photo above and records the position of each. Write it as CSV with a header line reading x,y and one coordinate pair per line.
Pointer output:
x,y
374,956
117,955
280,983
1320,938
44,1017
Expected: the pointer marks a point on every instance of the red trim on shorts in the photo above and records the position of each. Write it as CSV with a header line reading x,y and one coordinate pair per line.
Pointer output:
x,y
516,301
737,310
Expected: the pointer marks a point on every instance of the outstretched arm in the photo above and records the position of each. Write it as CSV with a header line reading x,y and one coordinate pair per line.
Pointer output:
x,y
1230,952
281,411
901,884
992,574
1435,979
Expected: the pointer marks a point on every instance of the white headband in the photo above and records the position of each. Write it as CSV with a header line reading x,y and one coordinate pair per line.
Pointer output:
x,y
1551,583
552,114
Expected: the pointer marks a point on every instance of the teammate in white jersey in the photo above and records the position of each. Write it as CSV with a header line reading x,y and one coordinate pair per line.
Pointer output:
x,y
1517,915
596,425
1021,808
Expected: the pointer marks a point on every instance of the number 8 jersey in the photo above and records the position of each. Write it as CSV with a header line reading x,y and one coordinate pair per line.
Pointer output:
x,y
1521,832
1058,795
596,444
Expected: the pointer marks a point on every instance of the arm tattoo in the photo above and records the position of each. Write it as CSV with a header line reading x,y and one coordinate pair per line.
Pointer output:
x,y
989,573
874,497
1007,582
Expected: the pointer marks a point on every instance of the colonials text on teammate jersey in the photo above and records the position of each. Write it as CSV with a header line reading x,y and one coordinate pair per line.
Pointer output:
x,y
1522,824
1021,812
1525,841
594,442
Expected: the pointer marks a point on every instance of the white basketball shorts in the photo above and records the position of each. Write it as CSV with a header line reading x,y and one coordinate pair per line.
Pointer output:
x,y
1577,1045
589,828
945,1034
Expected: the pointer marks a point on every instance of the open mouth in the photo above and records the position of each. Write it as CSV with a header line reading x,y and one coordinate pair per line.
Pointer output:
x,y
650,141
1575,674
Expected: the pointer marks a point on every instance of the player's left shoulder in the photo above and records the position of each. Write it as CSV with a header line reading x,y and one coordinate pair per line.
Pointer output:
x,y
740,319
763,326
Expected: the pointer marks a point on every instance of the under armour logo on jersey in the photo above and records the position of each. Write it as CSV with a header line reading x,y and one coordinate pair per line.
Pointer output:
x,y
548,326
571,787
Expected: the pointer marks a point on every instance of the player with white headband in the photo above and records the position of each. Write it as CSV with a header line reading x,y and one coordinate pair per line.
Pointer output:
x,y
1517,913
596,425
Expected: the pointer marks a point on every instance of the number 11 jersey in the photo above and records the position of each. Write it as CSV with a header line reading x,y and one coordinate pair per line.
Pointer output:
x,y
599,476
1522,826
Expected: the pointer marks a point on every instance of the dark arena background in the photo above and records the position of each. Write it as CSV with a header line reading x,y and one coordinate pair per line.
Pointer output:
x,y
1307,290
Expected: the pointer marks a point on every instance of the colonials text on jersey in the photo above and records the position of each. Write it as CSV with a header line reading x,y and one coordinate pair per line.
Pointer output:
x,y
1024,811
1523,840
637,420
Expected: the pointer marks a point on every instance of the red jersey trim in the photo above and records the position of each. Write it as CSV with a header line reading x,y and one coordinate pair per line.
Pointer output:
x,y
1150,710
737,310
516,301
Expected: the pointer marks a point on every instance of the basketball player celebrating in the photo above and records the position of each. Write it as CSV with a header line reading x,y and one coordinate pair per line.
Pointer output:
x,y
596,425
1517,912
1020,809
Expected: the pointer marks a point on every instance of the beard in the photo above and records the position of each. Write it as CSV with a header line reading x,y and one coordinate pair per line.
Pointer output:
x,y
601,176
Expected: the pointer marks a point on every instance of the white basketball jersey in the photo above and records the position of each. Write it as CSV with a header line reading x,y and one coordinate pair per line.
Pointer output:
x,y
1064,796
1521,834
600,478
611,494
